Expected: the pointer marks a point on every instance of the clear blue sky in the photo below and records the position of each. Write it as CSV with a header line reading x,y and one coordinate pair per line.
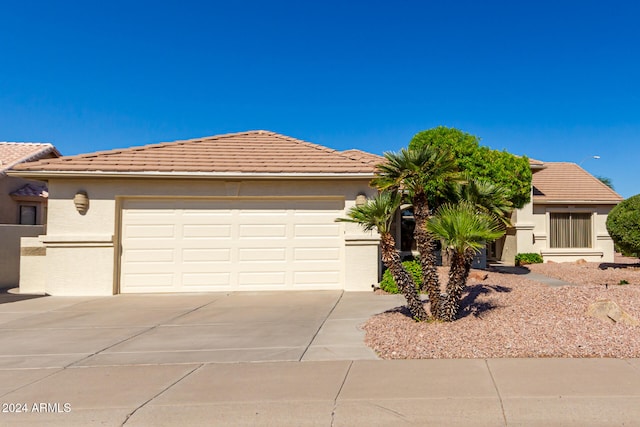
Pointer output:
x,y
557,81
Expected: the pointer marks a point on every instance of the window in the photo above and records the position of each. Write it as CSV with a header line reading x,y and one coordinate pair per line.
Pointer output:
x,y
27,215
407,226
570,230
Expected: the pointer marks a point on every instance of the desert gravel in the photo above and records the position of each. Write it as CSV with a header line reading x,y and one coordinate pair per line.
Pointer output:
x,y
508,315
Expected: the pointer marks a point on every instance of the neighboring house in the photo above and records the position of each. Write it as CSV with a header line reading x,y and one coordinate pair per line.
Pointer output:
x,y
22,201
566,219
22,205
244,211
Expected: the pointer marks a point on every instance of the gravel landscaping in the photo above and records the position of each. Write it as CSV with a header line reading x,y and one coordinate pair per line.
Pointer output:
x,y
508,315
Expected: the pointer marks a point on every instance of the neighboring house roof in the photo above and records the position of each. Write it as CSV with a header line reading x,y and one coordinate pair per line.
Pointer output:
x,y
30,192
562,182
13,153
363,156
253,152
536,165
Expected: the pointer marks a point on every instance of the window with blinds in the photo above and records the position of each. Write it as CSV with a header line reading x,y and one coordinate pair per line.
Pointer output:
x,y
570,230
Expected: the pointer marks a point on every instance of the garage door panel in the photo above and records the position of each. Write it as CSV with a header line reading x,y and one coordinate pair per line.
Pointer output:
x,y
262,230
202,231
219,244
264,279
206,255
150,231
147,281
315,253
316,230
205,280
146,256
262,254
316,278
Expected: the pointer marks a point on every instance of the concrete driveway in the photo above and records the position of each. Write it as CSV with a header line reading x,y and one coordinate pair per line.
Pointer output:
x,y
150,360
58,332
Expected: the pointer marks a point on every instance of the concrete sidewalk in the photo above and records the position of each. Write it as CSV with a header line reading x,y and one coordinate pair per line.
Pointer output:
x,y
494,392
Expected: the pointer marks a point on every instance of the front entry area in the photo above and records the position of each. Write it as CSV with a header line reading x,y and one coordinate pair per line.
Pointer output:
x,y
228,244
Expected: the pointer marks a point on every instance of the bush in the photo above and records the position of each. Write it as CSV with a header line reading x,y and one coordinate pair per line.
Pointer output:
x,y
528,258
389,285
623,225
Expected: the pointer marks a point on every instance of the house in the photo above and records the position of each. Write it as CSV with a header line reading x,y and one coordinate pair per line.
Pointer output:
x,y
22,201
566,218
243,211
22,205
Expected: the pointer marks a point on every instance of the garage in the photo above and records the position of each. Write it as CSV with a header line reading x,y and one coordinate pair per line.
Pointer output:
x,y
246,211
227,244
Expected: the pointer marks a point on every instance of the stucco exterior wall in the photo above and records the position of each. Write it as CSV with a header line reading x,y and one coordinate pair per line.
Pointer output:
x,y
10,251
531,234
82,251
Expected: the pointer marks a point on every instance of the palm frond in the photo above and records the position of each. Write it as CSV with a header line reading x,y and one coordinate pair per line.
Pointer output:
x,y
377,213
463,228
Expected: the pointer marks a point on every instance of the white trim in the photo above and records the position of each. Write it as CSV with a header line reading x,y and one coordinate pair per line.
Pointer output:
x,y
190,175
575,202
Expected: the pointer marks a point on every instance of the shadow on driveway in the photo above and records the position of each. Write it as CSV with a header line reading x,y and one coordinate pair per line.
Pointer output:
x,y
6,297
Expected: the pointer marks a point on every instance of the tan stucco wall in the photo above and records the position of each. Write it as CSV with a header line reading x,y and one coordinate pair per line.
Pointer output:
x,y
81,256
532,225
10,251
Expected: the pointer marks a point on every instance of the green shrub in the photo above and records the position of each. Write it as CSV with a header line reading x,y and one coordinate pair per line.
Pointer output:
x,y
389,285
528,258
623,225
623,282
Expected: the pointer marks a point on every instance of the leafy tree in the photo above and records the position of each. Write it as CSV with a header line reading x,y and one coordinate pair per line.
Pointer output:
x,y
418,172
465,231
623,225
378,214
497,167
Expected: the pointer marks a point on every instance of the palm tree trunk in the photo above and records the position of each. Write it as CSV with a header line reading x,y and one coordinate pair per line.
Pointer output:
x,y
458,274
391,259
427,245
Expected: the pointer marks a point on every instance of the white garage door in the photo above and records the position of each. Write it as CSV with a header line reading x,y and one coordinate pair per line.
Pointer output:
x,y
222,244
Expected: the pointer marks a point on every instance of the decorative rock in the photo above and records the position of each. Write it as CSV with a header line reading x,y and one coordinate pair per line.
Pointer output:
x,y
609,311
581,261
478,276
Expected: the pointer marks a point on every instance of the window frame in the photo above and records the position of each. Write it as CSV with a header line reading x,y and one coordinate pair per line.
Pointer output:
x,y
570,211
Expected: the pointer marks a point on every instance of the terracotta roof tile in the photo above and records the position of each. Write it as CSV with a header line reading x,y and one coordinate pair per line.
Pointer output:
x,y
363,156
568,182
13,153
245,152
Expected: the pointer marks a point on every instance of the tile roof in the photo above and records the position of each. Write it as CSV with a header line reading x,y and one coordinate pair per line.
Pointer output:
x,y
363,156
534,162
244,152
568,182
13,153
31,191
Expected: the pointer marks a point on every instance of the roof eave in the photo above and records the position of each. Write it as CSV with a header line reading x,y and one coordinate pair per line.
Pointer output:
x,y
575,202
45,175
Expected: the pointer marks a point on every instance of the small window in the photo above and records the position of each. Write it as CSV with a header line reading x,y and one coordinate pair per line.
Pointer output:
x,y
570,230
27,215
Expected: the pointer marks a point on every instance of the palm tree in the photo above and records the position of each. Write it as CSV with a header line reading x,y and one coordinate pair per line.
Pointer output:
x,y
464,231
486,197
420,173
378,214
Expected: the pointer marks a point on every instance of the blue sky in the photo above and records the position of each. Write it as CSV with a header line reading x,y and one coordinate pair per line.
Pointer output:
x,y
554,80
